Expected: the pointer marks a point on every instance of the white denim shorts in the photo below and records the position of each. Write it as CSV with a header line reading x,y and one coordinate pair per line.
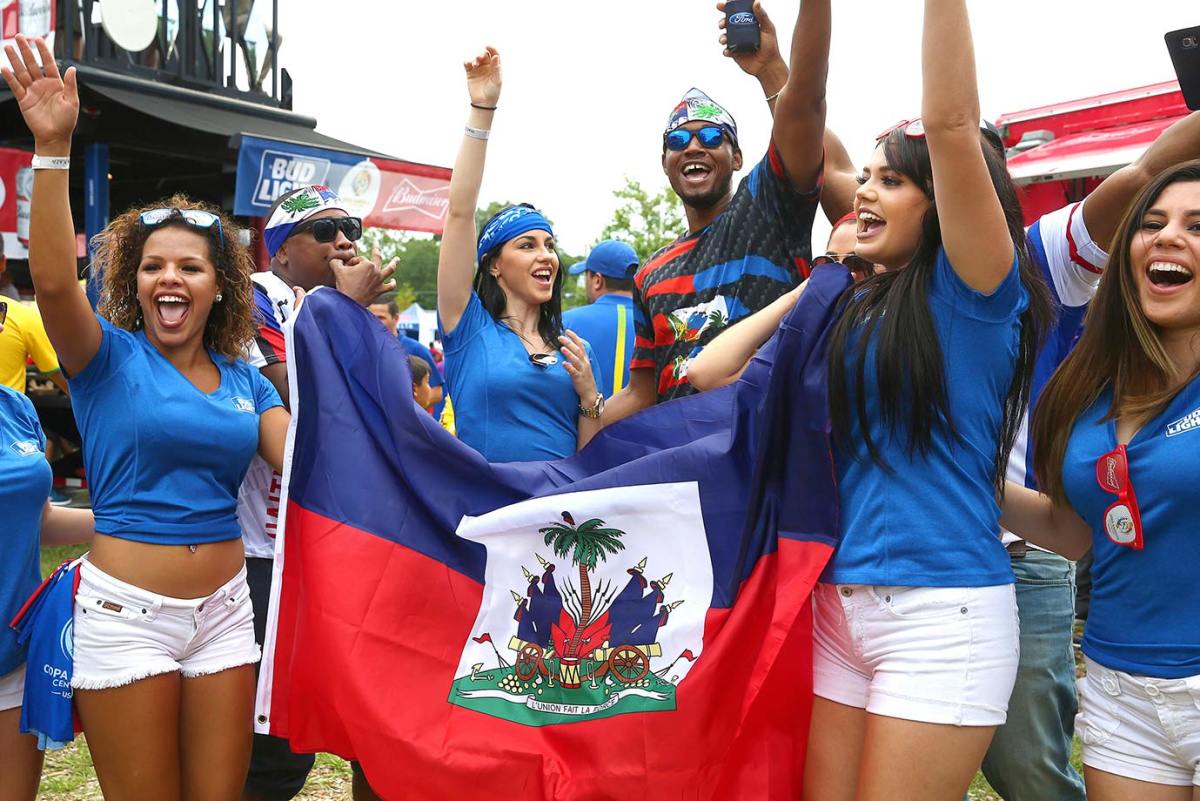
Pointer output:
x,y
124,633
929,654
12,688
1140,727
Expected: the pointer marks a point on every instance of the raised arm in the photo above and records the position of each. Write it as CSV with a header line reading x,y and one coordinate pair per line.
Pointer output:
x,y
50,105
767,66
725,358
974,229
1034,517
456,264
1106,205
799,127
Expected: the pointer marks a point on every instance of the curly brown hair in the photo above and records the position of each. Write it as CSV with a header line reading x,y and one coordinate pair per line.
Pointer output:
x,y
118,253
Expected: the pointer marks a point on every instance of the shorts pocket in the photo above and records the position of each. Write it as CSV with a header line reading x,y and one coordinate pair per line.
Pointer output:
x,y
105,607
922,603
1099,716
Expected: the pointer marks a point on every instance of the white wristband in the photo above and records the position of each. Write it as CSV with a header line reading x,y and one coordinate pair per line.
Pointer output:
x,y
477,133
51,162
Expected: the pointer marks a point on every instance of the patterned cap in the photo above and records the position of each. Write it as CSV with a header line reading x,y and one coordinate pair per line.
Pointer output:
x,y
298,207
699,107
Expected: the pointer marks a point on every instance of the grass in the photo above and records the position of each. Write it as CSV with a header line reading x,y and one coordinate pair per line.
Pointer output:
x,y
68,775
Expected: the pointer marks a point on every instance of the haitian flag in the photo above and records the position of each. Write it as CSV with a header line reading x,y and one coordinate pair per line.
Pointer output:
x,y
629,622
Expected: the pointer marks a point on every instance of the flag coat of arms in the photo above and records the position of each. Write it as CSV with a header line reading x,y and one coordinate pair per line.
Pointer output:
x,y
629,622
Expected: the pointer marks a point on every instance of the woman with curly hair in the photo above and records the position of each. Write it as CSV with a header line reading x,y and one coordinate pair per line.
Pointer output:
x,y
170,419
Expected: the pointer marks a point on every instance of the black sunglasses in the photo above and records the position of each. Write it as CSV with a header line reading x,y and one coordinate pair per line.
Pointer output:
x,y
325,229
856,264
3,312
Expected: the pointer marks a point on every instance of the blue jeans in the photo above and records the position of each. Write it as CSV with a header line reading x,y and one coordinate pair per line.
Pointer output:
x,y
1029,758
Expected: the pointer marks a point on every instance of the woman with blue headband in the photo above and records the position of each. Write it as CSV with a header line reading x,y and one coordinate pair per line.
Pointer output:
x,y
523,388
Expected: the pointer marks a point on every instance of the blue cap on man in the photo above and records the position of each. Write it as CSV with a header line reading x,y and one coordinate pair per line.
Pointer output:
x,y
609,258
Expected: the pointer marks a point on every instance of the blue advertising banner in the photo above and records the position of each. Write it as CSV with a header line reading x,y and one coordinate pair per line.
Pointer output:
x,y
385,193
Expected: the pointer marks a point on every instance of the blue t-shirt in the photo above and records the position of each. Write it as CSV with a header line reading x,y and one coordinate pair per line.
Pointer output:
x,y
24,486
163,459
607,325
932,520
506,407
414,348
1143,615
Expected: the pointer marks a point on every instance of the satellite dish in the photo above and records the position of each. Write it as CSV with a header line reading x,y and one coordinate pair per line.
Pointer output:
x,y
131,24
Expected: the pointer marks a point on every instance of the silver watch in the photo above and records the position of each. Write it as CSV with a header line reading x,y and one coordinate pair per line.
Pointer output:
x,y
595,410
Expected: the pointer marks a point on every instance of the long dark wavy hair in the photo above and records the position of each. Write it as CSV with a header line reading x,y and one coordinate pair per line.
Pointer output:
x,y
1119,347
891,309
492,296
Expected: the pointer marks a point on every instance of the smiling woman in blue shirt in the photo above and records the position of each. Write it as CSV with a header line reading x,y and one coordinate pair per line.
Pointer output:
x,y
1117,453
523,388
170,418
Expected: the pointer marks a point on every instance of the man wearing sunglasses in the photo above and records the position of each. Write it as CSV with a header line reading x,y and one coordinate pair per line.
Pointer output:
x,y
744,248
311,241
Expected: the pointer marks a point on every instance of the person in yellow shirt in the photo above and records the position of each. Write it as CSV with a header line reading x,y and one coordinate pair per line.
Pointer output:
x,y
24,337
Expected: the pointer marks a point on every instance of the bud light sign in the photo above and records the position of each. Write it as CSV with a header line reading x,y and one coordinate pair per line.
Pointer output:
x,y
280,172
386,193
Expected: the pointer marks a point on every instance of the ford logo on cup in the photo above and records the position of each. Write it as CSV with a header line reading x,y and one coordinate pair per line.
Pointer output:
x,y
742,18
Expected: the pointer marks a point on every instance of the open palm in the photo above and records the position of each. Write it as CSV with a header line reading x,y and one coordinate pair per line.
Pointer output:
x,y
483,77
48,102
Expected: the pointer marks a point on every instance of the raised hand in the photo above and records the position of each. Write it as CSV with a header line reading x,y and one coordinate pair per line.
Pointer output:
x,y
579,367
483,77
767,55
363,279
48,102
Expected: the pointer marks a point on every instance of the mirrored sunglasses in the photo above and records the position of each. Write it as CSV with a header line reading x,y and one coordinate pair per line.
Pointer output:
x,y
1123,518
710,137
325,229
195,218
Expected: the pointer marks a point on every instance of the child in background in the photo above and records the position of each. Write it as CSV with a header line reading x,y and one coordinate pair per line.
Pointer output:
x,y
422,392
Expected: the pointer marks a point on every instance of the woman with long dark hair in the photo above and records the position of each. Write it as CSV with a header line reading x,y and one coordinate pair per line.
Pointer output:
x,y
1116,441
170,417
915,628
523,388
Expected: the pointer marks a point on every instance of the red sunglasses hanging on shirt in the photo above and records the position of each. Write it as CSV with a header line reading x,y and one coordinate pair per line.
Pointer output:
x,y
1122,519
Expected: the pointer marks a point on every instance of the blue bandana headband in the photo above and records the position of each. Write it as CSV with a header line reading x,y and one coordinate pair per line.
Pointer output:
x,y
509,224
295,210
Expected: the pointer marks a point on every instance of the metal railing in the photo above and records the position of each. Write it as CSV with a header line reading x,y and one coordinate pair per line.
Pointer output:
x,y
221,46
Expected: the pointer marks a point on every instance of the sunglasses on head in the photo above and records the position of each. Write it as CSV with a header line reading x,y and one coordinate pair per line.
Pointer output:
x,y
915,129
1122,519
710,137
857,265
195,218
325,229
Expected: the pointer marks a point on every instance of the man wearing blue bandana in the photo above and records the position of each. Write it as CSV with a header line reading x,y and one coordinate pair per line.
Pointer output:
x,y
523,388
742,249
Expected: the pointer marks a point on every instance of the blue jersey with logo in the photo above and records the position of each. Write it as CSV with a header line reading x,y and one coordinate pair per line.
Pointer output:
x,y
607,325
932,520
1145,610
24,486
506,407
163,459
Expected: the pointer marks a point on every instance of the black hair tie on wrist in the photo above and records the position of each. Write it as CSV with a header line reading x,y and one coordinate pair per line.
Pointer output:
x,y
483,108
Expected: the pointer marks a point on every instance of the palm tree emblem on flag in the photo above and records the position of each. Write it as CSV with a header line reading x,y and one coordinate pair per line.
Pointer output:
x,y
587,639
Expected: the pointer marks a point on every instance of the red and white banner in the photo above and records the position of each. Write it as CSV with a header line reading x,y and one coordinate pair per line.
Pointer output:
x,y
16,189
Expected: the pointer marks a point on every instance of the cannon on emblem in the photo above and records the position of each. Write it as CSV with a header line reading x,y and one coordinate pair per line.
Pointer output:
x,y
627,663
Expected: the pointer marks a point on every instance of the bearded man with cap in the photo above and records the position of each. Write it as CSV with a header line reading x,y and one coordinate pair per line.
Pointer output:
x,y
742,249
606,323
310,239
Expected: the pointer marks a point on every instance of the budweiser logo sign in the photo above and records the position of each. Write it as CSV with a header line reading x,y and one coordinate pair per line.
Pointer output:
x,y
408,196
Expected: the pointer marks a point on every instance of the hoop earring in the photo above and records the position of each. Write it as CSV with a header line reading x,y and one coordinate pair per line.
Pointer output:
x,y
218,298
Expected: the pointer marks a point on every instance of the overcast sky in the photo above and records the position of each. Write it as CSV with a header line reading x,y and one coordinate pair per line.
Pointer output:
x,y
588,85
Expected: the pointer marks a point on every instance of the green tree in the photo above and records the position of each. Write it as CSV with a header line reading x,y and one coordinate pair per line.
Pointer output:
x,y
588,544
646,221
